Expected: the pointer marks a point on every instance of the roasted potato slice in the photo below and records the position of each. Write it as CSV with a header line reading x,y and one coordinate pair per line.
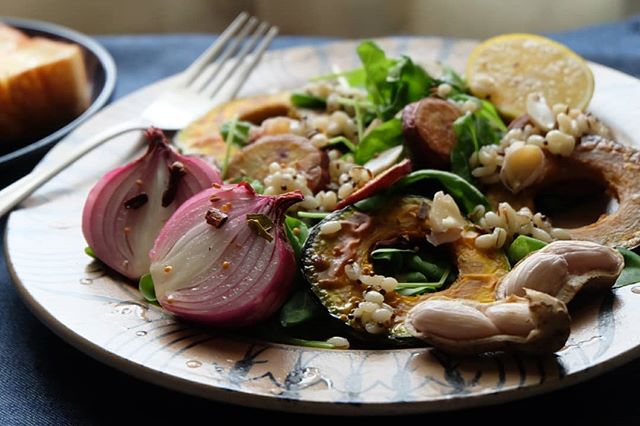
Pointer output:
x,y
293,151
203,136
428,130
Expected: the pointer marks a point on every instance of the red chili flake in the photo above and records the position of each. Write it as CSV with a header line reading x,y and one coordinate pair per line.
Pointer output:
x,y
246,185
136,202
215,217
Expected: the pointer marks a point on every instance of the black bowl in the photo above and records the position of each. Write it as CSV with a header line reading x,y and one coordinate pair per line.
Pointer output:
x,y
101,72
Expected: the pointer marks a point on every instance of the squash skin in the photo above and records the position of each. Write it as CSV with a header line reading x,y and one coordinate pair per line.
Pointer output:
x,y
619,167
614,164
325,256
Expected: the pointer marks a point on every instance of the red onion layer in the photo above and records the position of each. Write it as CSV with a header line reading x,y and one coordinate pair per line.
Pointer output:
x,y
223,258
128,206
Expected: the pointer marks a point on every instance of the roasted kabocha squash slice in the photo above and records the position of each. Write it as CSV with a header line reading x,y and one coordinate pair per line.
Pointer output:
x,y
327,256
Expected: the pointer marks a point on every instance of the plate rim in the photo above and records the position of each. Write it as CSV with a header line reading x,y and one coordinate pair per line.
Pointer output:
x,y
104,58
239,397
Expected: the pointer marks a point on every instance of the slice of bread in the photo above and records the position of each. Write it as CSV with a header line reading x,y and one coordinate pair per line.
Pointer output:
x,y
43,86
10,38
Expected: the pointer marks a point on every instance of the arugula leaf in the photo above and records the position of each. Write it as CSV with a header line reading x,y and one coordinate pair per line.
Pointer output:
x,y
473,131
466,195
452,78
306,100
145,285
313,215
522,246
240,131
466,144
300,308
631,272
387,253
392,83
385,136
355,77
344,141
486,110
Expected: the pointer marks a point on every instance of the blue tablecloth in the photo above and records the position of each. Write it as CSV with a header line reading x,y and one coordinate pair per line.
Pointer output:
x,y
43,380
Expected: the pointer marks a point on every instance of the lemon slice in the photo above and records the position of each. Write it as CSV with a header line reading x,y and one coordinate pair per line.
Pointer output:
x,y
506,68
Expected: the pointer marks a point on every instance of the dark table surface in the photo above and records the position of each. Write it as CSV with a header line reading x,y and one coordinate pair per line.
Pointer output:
x,y
43,380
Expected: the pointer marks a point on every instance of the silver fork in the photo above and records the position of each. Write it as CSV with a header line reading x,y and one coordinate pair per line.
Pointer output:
x,y
191,95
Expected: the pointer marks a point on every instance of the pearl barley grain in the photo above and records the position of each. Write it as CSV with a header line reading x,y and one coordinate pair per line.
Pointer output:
x,y
330,227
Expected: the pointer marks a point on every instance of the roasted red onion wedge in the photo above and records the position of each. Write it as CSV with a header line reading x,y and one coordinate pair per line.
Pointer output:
x,y
223,258
127,207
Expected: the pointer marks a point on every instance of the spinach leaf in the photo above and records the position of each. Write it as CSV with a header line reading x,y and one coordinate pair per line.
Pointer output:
x,y
466,195
473,131
272,330
306,100
385,136
145,285
372,203
300,308
240,130
309,343
257,185
89,252
297,233
414,289
631,272
412,277
392,83
430,270
522,246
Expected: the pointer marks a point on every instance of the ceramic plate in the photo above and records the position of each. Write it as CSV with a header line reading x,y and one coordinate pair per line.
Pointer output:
x,y
101,72
108,319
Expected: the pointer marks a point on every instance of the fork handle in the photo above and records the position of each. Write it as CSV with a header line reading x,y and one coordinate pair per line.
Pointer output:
x,y
13,194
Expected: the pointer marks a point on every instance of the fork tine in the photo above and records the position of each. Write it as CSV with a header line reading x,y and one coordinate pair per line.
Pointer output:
x,y
215,84
208,55
211,73
244,74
